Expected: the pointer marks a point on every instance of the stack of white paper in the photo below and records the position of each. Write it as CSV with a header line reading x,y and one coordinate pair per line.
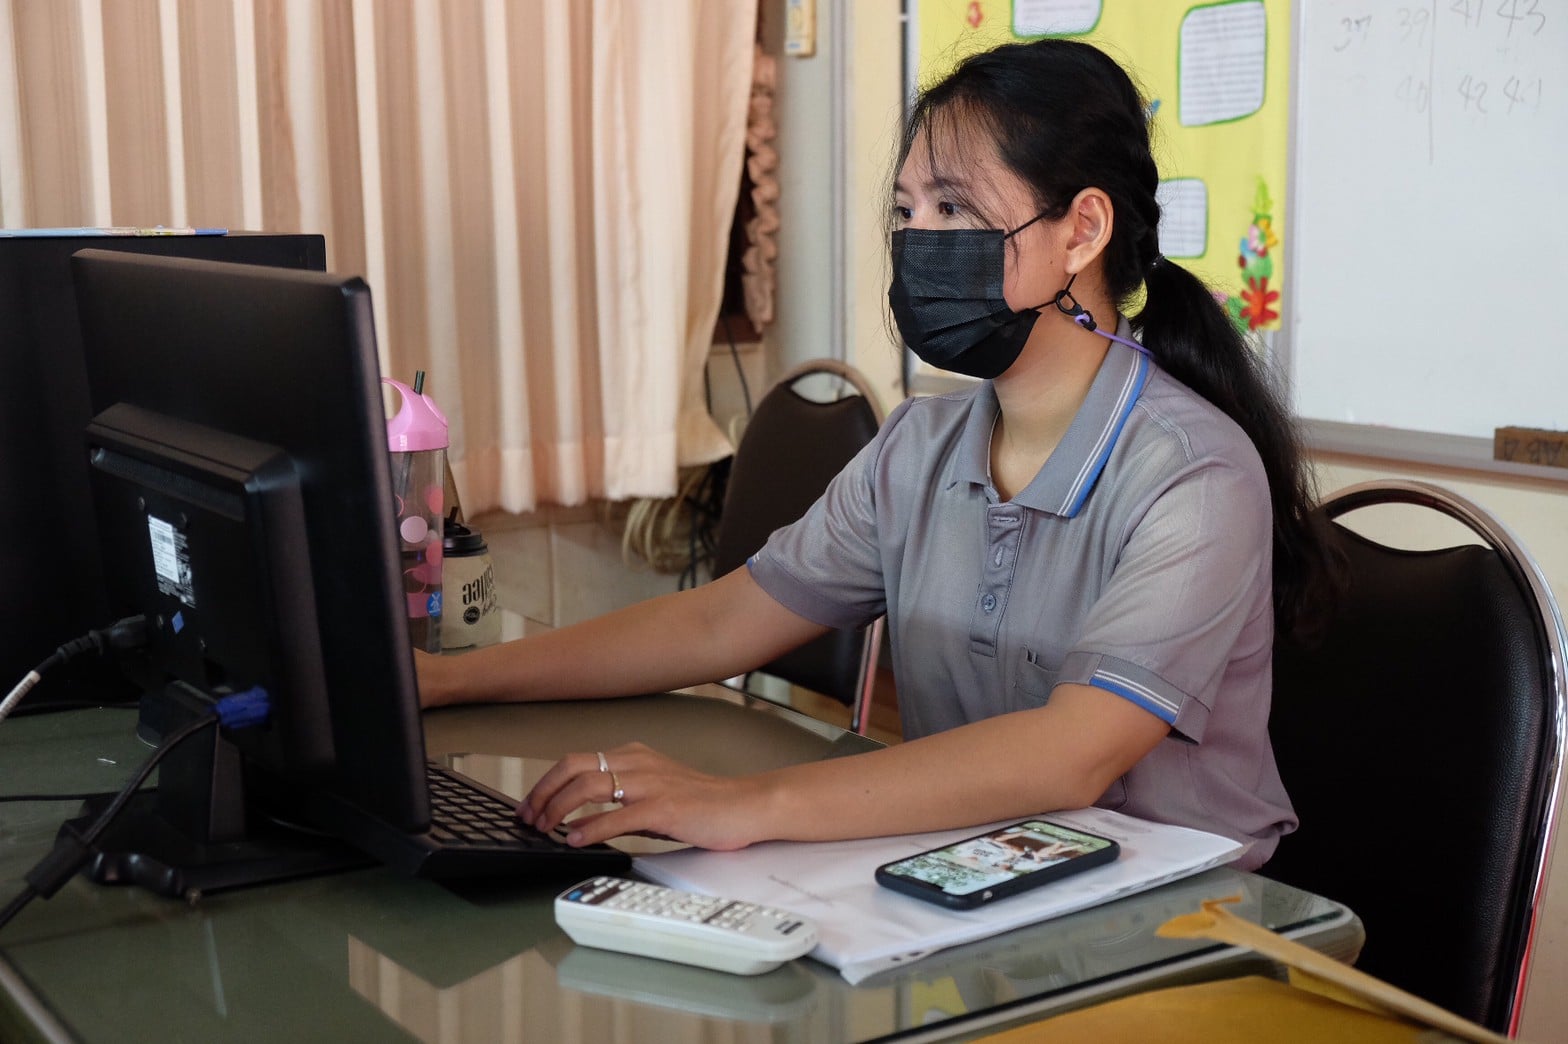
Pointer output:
x,y
866,928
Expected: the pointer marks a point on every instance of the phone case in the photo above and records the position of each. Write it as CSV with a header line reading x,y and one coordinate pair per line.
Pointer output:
x,y
1033,879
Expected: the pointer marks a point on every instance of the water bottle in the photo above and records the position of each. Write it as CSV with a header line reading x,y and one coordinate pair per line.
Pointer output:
x,y
417,439
473,614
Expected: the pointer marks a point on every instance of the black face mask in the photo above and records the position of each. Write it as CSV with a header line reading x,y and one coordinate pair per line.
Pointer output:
x,y
947,299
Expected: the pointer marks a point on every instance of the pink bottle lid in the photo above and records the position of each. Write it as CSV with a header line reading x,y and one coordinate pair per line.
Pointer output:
x,y
419,423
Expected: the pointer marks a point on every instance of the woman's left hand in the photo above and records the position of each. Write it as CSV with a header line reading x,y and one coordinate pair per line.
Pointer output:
x,y
659,797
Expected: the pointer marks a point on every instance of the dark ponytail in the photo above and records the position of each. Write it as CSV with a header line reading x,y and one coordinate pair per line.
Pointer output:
x,y
1065,117
1197,343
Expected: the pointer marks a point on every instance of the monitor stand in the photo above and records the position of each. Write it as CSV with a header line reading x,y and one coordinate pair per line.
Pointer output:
x,y
197,832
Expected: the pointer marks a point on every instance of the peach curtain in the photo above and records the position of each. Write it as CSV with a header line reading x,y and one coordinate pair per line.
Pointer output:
x,y
539,194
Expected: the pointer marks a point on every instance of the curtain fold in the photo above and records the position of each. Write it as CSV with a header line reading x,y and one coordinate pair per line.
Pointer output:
x,y
539,194
671,90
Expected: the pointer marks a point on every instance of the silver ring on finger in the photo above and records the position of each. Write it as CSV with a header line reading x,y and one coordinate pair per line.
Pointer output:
x,y
604,766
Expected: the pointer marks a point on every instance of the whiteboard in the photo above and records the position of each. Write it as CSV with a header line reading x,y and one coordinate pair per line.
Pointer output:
x,y
1429,215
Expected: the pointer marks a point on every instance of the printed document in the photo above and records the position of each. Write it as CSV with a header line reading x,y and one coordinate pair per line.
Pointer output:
x,y
866,928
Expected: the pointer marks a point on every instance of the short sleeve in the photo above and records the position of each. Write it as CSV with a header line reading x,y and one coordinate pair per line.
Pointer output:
x,y
1189,592
827,567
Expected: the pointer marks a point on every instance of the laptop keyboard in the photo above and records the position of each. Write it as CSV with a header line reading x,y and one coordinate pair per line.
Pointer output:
x,y
474,832
464,814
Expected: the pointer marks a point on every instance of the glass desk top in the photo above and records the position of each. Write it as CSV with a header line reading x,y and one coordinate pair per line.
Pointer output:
x,y
368,955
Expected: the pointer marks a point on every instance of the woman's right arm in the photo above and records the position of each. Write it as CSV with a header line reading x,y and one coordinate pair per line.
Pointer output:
x,y
704,634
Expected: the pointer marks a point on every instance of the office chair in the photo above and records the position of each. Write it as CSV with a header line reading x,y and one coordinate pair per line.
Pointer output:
x,y
1421,742
791,449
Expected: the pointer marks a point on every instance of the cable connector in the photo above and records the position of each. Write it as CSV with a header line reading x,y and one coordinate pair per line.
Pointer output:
x,y
74,847
133,632
129,633
70,854
241,710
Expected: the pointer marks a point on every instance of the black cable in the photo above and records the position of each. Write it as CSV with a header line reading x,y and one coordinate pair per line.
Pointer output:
x,y
14,907
688,577
295,826
180,735
33,710
72,849
21,799
129,633
689,574
745,389
706,504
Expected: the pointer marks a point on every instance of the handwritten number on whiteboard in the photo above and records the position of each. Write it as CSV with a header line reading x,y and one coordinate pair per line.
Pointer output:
x,y
1526,14
1413,93
1522,92
1469,10
1353,30
1473,91
1412,21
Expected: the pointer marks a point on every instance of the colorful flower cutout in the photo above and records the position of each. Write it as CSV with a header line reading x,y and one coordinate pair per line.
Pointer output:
x,y
1255,306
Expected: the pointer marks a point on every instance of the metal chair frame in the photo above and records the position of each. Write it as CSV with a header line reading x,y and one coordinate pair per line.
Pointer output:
x,y
860,705
1554,640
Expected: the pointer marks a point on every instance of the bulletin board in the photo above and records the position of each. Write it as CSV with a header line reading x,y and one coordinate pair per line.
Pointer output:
x,y
1375,186
1216,76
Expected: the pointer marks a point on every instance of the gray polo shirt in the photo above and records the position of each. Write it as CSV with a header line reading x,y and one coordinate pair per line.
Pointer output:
x,y
1137,561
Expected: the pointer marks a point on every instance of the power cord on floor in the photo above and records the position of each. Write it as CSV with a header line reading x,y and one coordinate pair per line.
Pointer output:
x,y
740,371
706,505
680,532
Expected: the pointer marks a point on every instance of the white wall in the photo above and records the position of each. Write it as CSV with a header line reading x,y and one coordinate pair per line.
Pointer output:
x,y
862,106
874,111
803,109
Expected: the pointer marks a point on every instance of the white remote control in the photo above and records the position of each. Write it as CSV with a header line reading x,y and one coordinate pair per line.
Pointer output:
x,y
613,913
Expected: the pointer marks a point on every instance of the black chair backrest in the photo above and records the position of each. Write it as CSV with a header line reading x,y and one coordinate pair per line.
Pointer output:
x,y
791,449
1419,744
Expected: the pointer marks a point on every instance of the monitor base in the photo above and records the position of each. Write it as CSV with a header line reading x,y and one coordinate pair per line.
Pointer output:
x,y
142,848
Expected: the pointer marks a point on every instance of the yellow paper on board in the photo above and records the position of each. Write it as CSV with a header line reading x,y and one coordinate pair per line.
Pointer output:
x,y
1221,146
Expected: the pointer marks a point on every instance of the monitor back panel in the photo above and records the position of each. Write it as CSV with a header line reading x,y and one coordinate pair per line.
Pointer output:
x,y
50,566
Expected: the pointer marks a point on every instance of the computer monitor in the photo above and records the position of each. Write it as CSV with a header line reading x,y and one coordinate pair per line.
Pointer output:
x,y
50,564
243,493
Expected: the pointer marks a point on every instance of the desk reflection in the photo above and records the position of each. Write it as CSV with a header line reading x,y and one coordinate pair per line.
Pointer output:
x,y
557,991
523,979
371,956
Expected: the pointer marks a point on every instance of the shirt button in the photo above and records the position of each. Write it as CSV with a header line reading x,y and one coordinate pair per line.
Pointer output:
x,y
988,603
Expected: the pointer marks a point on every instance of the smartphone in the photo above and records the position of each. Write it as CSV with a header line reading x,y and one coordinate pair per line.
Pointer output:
x,y
997,864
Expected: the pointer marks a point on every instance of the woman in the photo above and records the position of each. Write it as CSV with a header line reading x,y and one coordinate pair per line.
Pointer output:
x,y
1082,559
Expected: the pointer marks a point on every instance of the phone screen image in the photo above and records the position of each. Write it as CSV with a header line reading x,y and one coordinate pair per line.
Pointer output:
x,y
998,863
